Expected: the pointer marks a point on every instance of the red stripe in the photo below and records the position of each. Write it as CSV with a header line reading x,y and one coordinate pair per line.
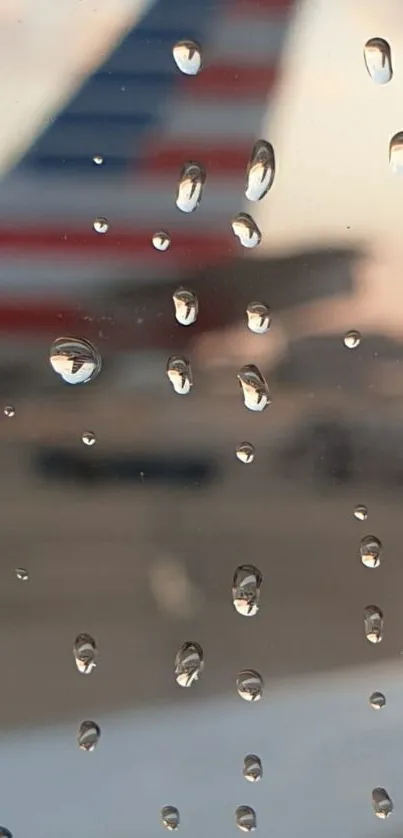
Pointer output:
x,y
232,81
260,7
224,160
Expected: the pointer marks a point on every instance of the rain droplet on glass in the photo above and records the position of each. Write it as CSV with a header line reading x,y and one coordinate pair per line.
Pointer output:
x,y
381,802
9,411
101,225
88,438
370,551
180,374
161,241
85,653
189,663
190,187
258,316
22,574
246,586
5,833
245,452
378,60
170,817
88,735
377,700
98,160
252,768
361,512
352,339
260,171
187,57
249,685
373,623
246,230
396,153
75,360
186,306
245,818
254,387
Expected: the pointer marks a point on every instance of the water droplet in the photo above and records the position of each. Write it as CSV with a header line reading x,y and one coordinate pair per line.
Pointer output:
x,y
190,187
88,735
258,316
161,241
9,411
98,160
189,663
5,833
260,171
245,818
254,386
85,653
101,225
378,60
22,574
246,230
373,623
252,768
89,438
170,817
377,700
360,512
381,803
245,452
186,306
370,551
75,360
249,685
246,586
187,56
352,339
396,153
179,374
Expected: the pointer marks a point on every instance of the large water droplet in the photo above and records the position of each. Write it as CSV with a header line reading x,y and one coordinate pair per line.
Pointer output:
x,y
187,56
246,586
254,386
161,240
249,685
246,230
352,339
5,833
378,60
377,700
85,653
101,225
75,360
361,512
9,411
186,306
260,171
370,551
252,768
381,803
245,452
179,374
245,818
396,153
170,817
373,623
189,663
190,187
22,574
258,316
98,159
89,438
88,735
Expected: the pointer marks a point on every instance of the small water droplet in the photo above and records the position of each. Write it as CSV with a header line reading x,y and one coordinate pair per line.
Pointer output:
x,y
396,153
89,438
190,187
245,818
381,803
98,160
258,316
260,171
187,56
179,374
186,306
85,653
246,230
378,60
377,700
161,241
246,586
373,623
249,685
352,339
22,574
189,663
361,512
9,411
88,735
370,551
252,768
254,387
170,817
75,360
101,225
245,452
